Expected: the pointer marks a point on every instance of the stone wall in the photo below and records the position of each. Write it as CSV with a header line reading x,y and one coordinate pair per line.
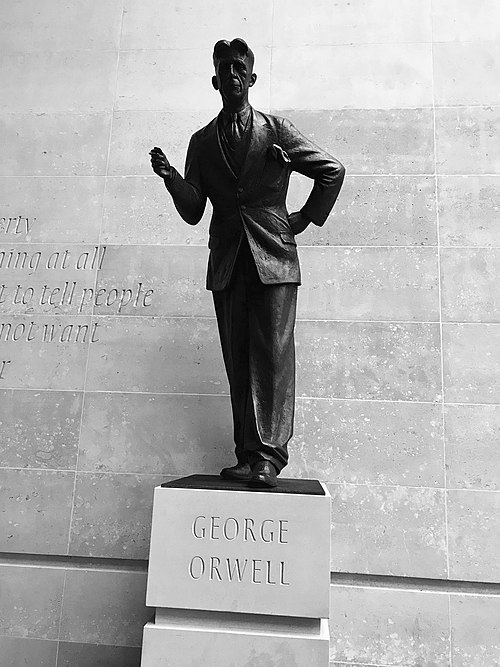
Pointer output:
x,y
111,378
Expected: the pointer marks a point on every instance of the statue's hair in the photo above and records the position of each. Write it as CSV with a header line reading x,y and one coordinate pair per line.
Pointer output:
x,y
223,48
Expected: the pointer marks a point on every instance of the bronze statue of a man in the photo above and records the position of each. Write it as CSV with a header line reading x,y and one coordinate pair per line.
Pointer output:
x,y
242,161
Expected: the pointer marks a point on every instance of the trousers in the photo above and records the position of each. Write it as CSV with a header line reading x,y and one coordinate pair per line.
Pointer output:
x,y
256,328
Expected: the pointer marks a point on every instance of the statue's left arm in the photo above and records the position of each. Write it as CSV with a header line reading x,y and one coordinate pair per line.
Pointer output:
x,y
315,163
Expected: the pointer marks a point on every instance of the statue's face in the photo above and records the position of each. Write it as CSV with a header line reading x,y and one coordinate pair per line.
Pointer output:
x,y
233,77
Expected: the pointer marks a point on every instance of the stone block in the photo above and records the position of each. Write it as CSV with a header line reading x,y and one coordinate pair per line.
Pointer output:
x,y
178,79
185,25
225,547
475,628
111,515
51,210
36,510
468,210
368,76
57,144
72,654
389,627
48,279
473,521
132,432
371,141
369,284
135,133
351,23
61,26
40,429
470,286
179,355
139,210
31,602
27,652
373,211
471,358
182,642
104,607
368,360
388,530
466,73
48,82
472,437
153,280
467,140
55,355
459,21
367,442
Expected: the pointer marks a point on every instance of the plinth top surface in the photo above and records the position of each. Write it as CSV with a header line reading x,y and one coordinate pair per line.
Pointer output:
x,y
308,487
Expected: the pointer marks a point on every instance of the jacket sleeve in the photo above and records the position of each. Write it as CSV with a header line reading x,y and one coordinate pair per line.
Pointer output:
x,y
187,193
313,162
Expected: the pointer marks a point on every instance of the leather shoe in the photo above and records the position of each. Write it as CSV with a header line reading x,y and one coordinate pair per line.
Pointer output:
x,y
240,472
263,475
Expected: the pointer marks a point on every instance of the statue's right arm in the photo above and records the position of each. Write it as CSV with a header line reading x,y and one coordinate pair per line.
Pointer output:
x,y
187,192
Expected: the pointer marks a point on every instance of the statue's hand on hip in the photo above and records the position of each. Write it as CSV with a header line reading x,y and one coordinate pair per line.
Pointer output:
x,y
160,164
298,222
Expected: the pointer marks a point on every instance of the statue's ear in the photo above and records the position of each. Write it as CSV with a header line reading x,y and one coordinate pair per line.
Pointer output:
x,y
214,83
253,79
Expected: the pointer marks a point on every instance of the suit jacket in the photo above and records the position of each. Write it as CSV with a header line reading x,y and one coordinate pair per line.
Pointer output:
x,y
253,203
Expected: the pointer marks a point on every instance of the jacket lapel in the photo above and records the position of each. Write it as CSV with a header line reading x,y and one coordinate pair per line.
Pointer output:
x,y
214,149
256,153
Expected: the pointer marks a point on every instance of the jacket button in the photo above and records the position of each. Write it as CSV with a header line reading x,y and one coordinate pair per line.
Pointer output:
x,y
242,207
239,191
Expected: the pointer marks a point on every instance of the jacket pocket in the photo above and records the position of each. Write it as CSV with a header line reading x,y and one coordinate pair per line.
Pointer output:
x,y
288,237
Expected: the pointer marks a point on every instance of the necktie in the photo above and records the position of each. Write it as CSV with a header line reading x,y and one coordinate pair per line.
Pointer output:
x,y
235,129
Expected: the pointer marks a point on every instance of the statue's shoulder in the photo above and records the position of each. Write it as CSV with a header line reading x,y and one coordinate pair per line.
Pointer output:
x,y
205,132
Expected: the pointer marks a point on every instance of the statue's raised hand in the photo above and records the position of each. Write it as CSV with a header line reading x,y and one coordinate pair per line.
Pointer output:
x,y
159,162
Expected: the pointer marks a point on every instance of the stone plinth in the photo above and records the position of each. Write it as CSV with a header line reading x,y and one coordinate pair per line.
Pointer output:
x,y
238,575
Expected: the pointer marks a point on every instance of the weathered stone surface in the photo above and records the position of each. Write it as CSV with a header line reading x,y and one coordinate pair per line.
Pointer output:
x,y
151,26
178,79
61,26
369,284
351,23
373,211
467,140
112,515
368,360
140,210
458,20
388,530
389,627
97,655
62,144
51,210
32,652
367,442
79,81
39,429
371,141
153,280
371,76
133,433
54,357
471,356
468,210
470,286
104,607
31,602
36,510
135,133
472,438
473,523
157,355
467,73
475,628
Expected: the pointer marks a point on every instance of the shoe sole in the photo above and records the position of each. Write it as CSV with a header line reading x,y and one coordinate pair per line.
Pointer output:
x,y
261,484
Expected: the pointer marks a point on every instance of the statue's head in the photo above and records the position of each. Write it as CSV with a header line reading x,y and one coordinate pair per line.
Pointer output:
x,y
233,62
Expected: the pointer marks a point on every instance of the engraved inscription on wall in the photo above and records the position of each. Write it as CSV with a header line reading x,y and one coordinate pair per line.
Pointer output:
x,y
42,282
